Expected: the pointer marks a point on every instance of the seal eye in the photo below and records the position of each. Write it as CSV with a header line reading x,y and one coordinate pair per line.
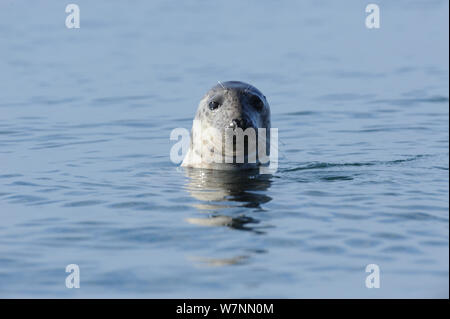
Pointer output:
x,y
256,102
213,105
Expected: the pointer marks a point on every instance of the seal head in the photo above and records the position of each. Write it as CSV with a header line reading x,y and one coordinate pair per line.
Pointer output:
x,y
229,107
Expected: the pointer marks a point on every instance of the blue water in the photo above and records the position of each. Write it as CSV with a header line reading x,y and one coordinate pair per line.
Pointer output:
x,y
86,178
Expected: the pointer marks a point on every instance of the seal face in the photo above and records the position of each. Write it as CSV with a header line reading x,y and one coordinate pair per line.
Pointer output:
x,y
229,108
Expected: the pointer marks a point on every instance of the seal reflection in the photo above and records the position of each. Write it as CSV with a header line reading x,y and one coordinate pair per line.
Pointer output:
x,y
228,197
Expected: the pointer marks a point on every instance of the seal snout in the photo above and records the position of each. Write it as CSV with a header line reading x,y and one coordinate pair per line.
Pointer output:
x,y
242,123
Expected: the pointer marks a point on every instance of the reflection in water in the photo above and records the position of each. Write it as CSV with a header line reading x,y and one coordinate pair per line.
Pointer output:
x,y
225,199
222,192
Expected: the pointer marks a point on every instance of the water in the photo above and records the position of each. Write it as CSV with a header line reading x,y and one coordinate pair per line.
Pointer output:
x,y
85,175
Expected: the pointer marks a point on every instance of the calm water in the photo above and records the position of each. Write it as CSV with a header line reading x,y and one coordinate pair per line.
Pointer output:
x,y
85,174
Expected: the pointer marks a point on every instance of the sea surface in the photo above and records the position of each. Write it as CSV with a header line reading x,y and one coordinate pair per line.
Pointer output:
x,y
86,178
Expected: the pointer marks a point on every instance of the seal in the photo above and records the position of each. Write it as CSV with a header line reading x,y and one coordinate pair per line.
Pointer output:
x,y
230,111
